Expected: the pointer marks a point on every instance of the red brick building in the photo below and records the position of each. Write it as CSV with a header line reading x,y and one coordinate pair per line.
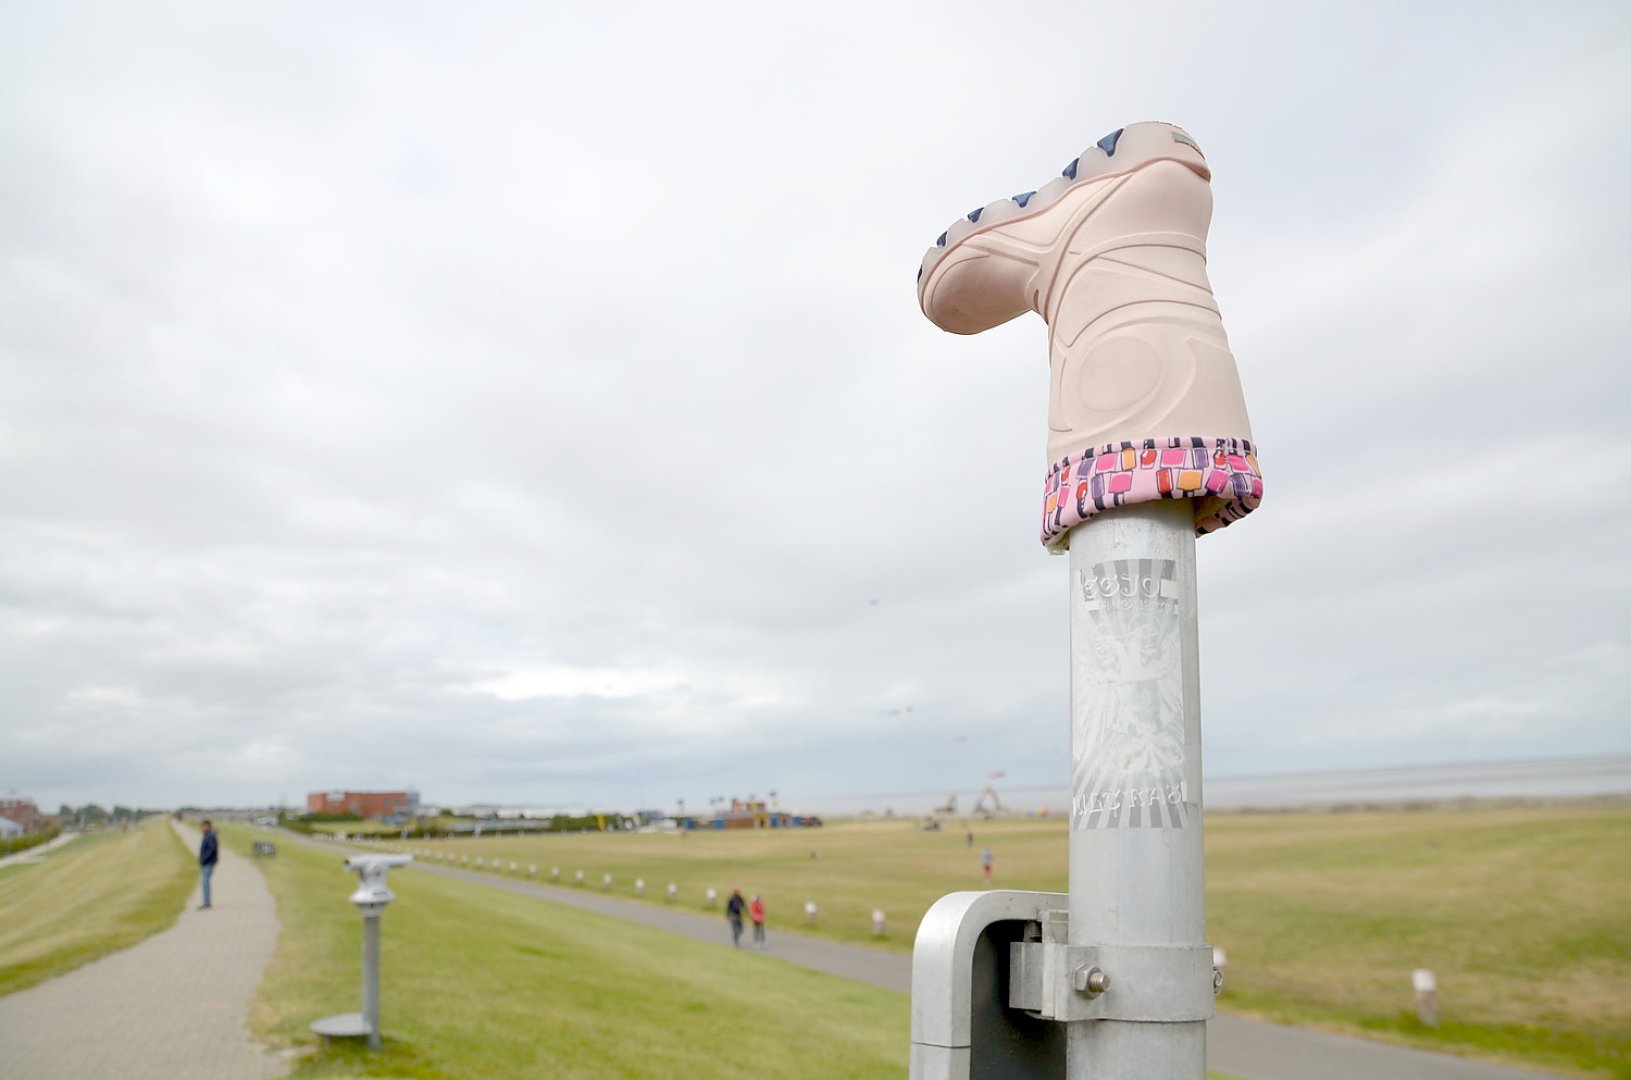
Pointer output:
x,y
365,804
24,813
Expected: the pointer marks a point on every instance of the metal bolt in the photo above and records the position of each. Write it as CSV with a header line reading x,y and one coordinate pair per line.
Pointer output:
x,y
1217,980
1091,981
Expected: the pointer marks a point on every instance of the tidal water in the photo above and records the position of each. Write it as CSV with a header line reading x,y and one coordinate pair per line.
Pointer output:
x,y
1546,778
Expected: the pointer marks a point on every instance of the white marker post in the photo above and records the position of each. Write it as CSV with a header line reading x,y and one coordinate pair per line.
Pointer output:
x,y
1426,987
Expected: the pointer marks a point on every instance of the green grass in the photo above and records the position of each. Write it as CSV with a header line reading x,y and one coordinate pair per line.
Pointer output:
x,y
857,866
1522,914
18,844
482,983
88,898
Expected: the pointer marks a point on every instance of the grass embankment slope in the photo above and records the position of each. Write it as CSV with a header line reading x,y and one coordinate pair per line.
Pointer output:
x,y
847,869
1521,913
482,983
101,893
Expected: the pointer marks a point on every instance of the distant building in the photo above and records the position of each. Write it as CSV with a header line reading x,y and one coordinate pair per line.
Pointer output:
x,y
377,805
752,814
9,829
24,813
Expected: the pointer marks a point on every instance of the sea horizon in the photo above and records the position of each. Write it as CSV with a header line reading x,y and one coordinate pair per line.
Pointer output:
x,y
1529,778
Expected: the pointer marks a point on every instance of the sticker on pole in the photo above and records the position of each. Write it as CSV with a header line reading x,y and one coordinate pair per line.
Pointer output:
x,y
1128,707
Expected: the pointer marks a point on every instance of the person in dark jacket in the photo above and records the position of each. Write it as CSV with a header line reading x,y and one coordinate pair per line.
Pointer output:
x,y
208,852
733,912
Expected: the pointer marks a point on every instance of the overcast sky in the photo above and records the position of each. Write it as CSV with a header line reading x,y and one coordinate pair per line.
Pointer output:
x,y
530,402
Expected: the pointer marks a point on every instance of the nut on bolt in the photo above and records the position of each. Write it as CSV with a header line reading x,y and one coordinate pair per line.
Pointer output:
x,y
1217,980
1091,980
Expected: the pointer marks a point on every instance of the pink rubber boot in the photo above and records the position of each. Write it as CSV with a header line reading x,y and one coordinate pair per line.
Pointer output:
x,y
1144,400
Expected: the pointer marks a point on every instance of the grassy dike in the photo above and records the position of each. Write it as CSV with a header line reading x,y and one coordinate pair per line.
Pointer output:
x,y
1521,913
481,983
847,869
100,893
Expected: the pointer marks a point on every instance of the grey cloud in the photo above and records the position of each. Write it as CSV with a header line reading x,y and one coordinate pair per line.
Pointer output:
x,y
354,361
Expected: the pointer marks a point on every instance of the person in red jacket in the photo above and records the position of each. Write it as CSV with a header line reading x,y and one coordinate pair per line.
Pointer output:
x,y
756,912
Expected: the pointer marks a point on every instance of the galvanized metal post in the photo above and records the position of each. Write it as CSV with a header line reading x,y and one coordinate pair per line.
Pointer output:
x,y
1135,842
370,975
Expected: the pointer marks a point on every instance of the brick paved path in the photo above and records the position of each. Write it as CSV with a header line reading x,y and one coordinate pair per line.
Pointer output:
x,y
170,1008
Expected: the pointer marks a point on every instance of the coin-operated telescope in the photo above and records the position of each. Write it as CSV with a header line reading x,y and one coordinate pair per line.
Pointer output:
x,y
372,893
371,897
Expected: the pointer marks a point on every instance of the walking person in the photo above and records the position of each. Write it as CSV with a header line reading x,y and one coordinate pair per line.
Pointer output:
x,y
756,912
986,859
733,912
208,852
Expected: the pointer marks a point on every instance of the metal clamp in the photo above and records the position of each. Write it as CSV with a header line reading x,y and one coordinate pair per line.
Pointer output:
x,y
1152,983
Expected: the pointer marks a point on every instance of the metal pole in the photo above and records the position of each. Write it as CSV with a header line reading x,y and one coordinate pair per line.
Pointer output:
x,y
1135,839
370,976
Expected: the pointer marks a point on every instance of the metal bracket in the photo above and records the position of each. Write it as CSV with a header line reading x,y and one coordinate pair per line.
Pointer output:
x,y
991,972
962,1026
1153,983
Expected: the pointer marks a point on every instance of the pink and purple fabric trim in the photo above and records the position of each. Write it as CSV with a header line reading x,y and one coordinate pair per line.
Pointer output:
x,y
1220,475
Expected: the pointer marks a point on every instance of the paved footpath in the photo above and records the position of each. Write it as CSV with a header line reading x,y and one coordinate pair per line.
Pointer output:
x,y
35,854
1248,1048
171,1008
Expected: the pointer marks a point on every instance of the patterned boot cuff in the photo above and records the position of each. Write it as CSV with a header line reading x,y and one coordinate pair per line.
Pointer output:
x,y
1220,475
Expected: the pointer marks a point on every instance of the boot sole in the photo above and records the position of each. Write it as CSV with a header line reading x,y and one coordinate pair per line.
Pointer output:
x,y
1124,150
